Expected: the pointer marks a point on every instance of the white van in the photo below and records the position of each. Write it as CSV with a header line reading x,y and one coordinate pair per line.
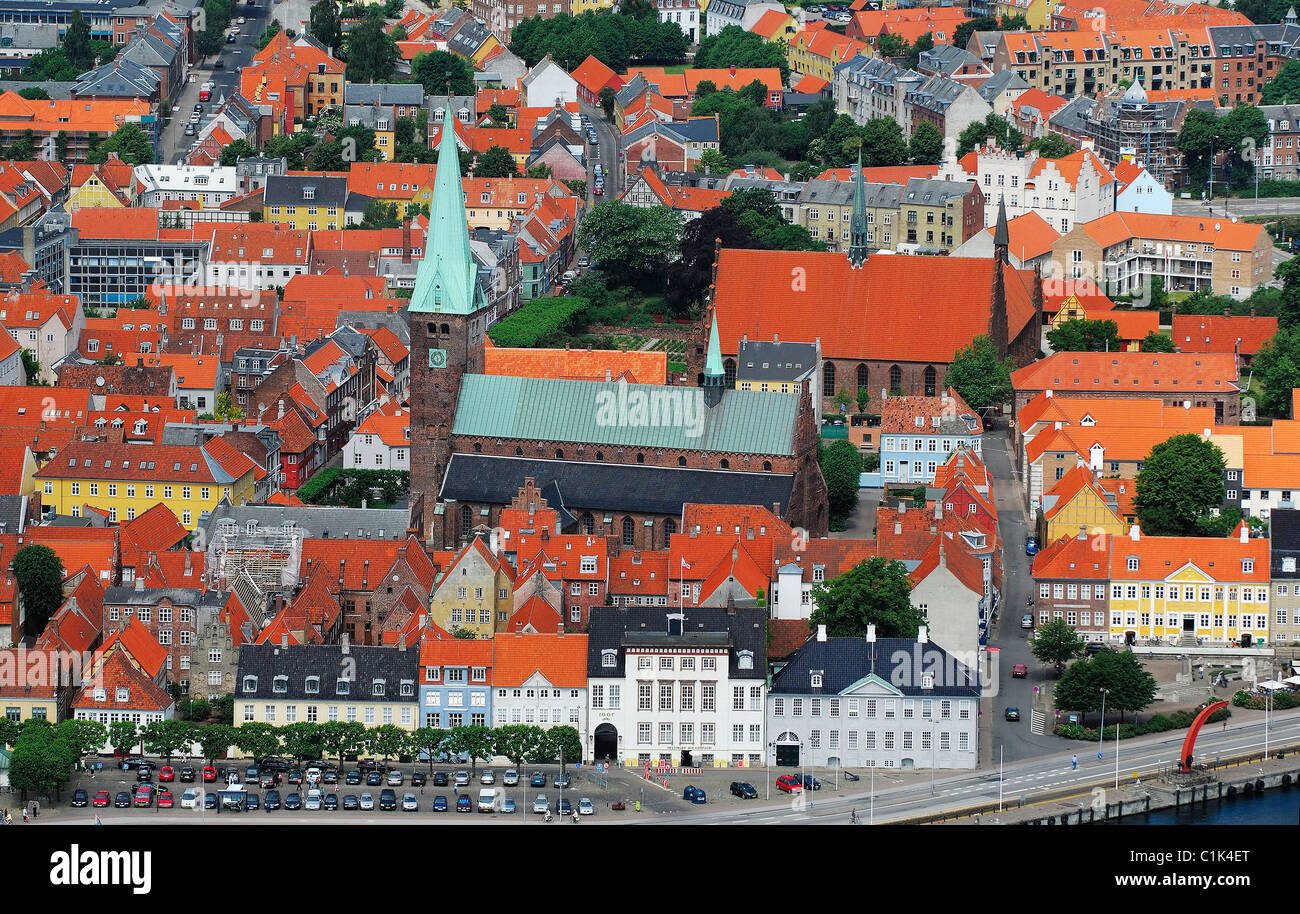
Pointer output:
x,y
487,799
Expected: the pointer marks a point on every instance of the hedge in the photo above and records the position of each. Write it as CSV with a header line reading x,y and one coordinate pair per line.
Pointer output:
x,y
1158,723
1282,701
348,487
537,323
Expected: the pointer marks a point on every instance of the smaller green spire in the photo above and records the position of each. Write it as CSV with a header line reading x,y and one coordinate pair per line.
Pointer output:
x,y
713,360
858,251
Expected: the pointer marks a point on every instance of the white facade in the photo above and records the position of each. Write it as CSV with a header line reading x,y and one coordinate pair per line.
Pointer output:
x,y
1144,194
952,610
12,373
47,337
548,83
369,451
257,274
209,185
680,698
538,702
686,13
744,13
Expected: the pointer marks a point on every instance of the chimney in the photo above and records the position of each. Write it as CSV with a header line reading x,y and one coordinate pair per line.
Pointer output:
x,y
733,69
922,636
1245,532
821,633
1135,533
284,641
280,413
139,582
1083,532
406,239
343,643
189,562
1227,312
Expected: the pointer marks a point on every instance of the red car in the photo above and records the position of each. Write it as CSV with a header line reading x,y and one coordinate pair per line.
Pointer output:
x,y
209,775
167,773
144,795
101,799
789,783
165,799
1019,671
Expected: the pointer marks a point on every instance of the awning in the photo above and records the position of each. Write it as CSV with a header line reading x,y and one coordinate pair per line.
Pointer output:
x,y
1270,685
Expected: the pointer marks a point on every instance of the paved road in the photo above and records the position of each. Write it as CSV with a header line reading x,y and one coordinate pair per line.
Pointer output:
x,y
606,153
1267,206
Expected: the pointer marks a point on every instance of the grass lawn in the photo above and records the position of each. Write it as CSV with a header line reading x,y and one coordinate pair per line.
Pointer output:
x,y
676,68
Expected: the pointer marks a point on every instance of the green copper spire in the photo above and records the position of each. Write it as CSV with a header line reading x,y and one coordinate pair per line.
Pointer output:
x,y
858,221
714,375
446,281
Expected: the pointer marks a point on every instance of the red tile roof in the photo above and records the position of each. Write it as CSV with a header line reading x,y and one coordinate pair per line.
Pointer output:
x,y
1124,371
1217,333
537,615
560,658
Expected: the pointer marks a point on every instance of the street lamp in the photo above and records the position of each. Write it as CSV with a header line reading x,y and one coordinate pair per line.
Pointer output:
x,y
1102,743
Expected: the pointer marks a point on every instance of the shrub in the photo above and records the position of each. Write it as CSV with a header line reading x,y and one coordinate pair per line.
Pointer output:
x,y
1158,723
538,323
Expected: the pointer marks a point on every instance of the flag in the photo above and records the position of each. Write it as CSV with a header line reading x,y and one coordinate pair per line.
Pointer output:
x,y
685,564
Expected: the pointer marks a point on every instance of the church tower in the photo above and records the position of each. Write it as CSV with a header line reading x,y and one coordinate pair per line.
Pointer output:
x,y
448,315
715,381
858,222
998,332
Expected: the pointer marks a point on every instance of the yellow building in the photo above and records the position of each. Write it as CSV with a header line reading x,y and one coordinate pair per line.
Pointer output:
x,y
494,203
818,53
1172,588
109,184
402,184
1078,500
28,692
125,480
306,201
476,591
578,7
1036,12
486,49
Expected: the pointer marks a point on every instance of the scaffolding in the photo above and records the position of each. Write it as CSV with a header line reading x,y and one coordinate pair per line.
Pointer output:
x,y
268,556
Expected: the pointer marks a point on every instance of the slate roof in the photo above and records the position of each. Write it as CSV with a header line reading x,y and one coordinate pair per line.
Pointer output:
x,y
767,360
383,94
479,478
1000,82
368,664
616,628
287,190
1284,540
843,662
318,522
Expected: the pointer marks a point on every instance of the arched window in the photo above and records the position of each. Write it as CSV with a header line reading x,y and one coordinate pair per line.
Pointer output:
x,y
895,380
446,329
640,458
670,527
600,455
864,376
929,380
466,519
559,454
767,466
519,452
587,523
681,461
629,532
478,448
729,372
725,463
699,379
828,379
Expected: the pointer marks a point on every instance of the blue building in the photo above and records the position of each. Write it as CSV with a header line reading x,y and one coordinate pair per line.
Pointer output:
x,y
455,683
918,433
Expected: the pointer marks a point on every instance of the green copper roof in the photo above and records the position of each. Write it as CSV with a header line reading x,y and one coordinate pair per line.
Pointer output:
x,y
615,413
446,281
713,361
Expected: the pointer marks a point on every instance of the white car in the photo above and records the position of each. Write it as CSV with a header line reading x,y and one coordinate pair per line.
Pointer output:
x,y
313,800
487,777
462,778
190,799
241,20
367,801
586,808
410,803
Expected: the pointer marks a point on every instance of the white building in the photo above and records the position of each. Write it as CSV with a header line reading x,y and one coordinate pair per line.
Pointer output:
x,y
47,326
677,689
861,703
548,83
210,185
1137,191
744,13
1067,191
12,373
686,13
381,442
540,680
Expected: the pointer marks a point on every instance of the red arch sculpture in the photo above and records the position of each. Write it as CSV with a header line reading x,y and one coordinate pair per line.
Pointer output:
x,y
1189,743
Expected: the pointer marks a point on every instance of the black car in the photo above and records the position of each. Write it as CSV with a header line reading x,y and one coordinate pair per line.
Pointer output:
x,y
440,779
253,801
272,800
367,764
811,783
144,773
122,800
209,800
1097,647
218,64
293,801
352,777
268,779
418,779
295,776
387,799
330,776
565,808
187,775
274,763
134,761
351,802
198,106
563,780
374,779
252,773
1012,713
331,801
743,790
79,797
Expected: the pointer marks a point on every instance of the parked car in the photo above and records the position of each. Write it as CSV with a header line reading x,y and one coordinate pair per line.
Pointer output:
x,y
144,795
508,805
743,790
353,777
209,801
133,761
586,807
1031,546
209,774
439,803
167,773
1012,713
1019,671
811,783
374,779
583,263
295,777
367,802
537,780
395,779
1027,620
331,801
462,778
190,799
187,775
563,780
80,797
565,808
387,799
440,779
789,783
268,779
464,804
275,763
272,800
487,777
252,801
293,801
1097,647
410,803
417,779
314,800
122,800
330,776
144,773
510,778
541,805
350,802
367,764
101,799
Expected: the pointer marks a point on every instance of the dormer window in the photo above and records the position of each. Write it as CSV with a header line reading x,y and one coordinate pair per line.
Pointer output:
x,y
1132,563
1247,566
309,193
250,683
378,689
816,680
280,685
123,695
101,694
745,660
608,659
313,685
343,687
407,688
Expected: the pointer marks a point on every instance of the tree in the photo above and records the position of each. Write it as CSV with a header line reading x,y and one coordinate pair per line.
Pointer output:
x,y
733,46
607,102
342,737
926,147
195,709
1277,366
961,34
495,162
994,126
129,142
325,26
371,52
1284,88
712,162
37,94
540,170
237,150
226,410
436,68
38,571
877,591
386,741
51,65
518,742
302,740
167,737
562,743
1051,146
42,761
474,742
1083,335
9,730
1180,481
631,244
1128,685
841,466
976,372
257,739
922,44
1157,342
76,42
24,148
1057,642
215,741
123,735
429,742
87,737
1288,310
